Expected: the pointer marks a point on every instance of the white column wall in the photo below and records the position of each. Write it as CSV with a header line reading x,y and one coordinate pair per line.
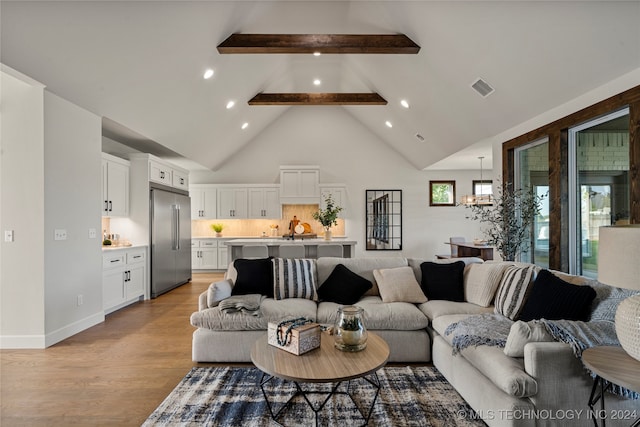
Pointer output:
x,y
72,153
22,322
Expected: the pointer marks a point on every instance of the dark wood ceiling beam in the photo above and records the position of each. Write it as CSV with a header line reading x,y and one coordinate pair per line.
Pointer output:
x,y
323,43
317,99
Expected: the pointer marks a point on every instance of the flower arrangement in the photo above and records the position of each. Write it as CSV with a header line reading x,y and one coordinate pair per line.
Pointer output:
x,y
328,216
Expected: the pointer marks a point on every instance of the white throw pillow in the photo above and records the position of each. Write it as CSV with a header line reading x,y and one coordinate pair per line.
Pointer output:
x,y
481,282
218,291
399,285
522,333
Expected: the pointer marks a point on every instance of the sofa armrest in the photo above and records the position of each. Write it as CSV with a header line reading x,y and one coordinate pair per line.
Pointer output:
x,y
563,382
202,301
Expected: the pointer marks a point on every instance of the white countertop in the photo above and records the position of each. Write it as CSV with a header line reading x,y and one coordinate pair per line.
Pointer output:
x,y
114,248
270,241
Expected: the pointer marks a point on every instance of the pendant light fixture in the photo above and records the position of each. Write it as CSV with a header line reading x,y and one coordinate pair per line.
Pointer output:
x,y
477,199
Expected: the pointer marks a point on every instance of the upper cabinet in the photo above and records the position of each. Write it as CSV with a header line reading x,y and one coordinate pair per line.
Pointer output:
x,y
164,173
203,201
232,203
115,186
299,184
264,202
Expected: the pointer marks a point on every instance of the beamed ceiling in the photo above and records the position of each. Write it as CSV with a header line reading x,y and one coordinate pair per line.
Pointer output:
x,y
140,65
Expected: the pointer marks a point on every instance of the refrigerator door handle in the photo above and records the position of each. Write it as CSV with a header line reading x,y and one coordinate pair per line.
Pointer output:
x,y
174,222
178,227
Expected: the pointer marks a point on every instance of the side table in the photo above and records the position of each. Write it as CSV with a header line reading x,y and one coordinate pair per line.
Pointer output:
x,y
612,365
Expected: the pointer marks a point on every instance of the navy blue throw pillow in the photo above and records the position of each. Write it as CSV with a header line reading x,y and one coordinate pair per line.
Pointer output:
x,y
552,298
443,281
343,286
255,276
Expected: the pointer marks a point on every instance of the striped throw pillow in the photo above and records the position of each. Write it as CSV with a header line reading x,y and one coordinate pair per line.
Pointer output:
x,y
513,290
294,278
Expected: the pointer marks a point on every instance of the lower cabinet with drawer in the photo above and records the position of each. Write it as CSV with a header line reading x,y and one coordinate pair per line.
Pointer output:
x,y
124,276
208,254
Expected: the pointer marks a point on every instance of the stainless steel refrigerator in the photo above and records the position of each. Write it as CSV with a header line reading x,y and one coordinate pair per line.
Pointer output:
x,y
170,240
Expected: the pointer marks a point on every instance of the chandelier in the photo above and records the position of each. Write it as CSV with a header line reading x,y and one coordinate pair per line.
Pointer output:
x,y
480,198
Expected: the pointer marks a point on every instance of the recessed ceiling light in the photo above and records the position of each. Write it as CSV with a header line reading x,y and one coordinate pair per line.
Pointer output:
x,y
388,123
208,73
317,82
245,125
230,104
316,54
404,103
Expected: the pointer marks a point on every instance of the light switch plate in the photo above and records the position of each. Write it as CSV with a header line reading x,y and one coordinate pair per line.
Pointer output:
x,y
92,233
60,234
8,235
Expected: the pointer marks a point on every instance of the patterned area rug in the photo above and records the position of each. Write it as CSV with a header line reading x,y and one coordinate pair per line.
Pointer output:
x,y
409,396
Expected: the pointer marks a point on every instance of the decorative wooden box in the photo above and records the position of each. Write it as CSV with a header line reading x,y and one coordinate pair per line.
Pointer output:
x,y
304,338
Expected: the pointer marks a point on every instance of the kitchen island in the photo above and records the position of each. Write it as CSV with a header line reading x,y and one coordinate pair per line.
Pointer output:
x,y
273,244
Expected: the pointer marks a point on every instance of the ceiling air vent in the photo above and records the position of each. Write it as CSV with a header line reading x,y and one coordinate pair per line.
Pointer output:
x,y
482,87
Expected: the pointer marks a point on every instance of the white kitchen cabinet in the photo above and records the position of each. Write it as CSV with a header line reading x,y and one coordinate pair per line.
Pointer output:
x,y
124,277
115,186
299,184
264,202
203,202
167,174
338,194
232,203
160,173
208,254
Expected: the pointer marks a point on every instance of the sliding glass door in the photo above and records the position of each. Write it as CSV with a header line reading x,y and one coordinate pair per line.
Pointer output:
x,y
532,173
599,183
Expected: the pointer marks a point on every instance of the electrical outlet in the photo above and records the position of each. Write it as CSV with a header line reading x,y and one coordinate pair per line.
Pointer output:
x,y
92,233
8,235
80,300
60,234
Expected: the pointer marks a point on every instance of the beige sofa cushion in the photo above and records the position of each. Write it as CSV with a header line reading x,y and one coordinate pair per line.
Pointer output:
x,y
379,315
522,333
436,308
398,285
361,266
481,282
270,311
507,373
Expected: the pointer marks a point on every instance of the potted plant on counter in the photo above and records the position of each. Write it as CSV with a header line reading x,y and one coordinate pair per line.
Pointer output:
x,y
328,216
217,228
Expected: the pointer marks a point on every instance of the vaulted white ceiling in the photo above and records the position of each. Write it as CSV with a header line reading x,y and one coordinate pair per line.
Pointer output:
x,y
140,64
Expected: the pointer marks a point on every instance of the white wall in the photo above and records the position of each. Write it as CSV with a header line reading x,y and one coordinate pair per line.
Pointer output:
x,y
22,321
72,153
348,153
50,178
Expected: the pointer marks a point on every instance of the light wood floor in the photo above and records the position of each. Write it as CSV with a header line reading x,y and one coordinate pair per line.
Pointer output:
x,y
114,374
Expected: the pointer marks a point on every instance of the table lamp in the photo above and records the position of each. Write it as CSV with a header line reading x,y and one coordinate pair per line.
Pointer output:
x,y
619,265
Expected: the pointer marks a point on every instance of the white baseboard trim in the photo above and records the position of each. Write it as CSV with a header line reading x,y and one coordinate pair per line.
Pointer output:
x,y
72,329
21,342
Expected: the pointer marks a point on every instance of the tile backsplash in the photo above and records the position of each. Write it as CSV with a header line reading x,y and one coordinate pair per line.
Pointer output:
x,y
255,227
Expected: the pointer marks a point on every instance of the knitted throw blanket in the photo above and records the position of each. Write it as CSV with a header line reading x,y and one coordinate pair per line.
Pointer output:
x,y
493,330
245,304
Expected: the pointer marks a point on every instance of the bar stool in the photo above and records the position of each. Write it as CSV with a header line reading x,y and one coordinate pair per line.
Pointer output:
x,y
291,251
330,250
255,251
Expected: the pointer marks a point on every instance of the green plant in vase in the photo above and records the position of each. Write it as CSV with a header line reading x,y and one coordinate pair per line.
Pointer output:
x,y
328,216
217,228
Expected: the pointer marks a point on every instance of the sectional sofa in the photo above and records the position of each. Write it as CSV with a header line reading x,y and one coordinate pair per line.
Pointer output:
x,y
414,305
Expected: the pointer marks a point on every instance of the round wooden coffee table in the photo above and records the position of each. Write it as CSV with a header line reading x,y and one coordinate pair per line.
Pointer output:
x,y
326,364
